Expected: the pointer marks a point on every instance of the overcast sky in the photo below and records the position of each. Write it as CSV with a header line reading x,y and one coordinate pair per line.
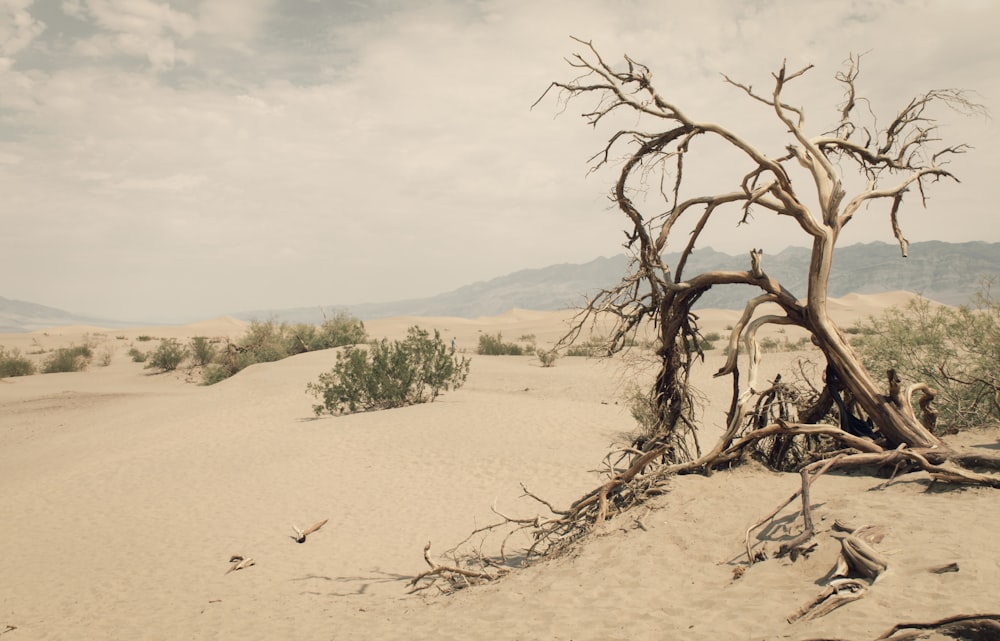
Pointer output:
x,y
169,161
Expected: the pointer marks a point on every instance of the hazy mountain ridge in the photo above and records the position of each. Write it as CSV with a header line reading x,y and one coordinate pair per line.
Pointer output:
x,y
945,272
22,316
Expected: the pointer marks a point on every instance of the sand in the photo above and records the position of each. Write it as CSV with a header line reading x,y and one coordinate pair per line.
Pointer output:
x,y
124,494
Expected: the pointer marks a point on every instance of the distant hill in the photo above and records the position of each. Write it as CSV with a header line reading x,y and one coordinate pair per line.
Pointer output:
x,y
945,272
22,316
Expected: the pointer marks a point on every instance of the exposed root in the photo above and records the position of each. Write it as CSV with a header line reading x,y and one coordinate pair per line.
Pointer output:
x,y
972,627
837,593
456,577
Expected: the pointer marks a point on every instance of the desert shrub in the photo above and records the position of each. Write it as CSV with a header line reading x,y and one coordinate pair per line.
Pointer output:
x,y
588,349
107,353
548,359
267,341
215,373
770,344
299,338
167,356
145,338
342,329
643,409
202,351
68,359
494,346
954,350
706,342
389,374
13,364
138,356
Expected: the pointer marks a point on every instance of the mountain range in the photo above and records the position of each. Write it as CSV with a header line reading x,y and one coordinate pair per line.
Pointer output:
x,y
950,273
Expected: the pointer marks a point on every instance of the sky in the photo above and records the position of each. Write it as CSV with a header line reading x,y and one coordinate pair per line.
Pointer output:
x,y
174,161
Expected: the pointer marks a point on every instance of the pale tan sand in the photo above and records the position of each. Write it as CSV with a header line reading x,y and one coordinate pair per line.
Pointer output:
x,y
123,496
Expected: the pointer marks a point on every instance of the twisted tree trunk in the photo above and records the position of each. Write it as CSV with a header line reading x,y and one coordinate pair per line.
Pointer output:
x,y
895,424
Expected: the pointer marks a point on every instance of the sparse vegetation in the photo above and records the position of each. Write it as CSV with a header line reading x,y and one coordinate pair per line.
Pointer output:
x,y
145,338
168,356
68,359
106,355
13,364
954,350
138,356
770,344
707,342
202,350
548,359
267,341
588,349
390,374
490,345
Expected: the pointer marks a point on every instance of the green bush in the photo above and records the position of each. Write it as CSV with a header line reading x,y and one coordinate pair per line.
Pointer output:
x,y
68,359
267,341
215,373
589,349
138,356
168,356
342,329
954,350
390,374
707,341
338,331
13,364
494,346
145,338
202,351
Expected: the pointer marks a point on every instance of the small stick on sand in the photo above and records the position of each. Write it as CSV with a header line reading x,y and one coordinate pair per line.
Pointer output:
x,y
239,562
300,535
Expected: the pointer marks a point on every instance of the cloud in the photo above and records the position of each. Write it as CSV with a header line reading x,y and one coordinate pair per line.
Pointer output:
x,y
191,158
17,26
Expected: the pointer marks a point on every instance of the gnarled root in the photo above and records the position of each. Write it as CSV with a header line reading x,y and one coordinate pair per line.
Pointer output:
x,y
971,627
457,577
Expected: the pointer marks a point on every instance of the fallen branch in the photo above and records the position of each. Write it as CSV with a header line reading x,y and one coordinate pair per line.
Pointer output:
x,y
240,562
837,593
449,572
959,626
300,535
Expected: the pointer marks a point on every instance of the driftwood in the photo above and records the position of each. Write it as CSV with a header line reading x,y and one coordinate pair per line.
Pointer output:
x,y
837,593
856,569
973,627
963,627
300,535
239,562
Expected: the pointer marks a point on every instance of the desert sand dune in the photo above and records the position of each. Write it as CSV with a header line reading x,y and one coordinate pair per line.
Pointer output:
x,y
125,496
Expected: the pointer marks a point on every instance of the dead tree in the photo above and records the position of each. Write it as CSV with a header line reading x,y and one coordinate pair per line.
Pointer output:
x,y
901,158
